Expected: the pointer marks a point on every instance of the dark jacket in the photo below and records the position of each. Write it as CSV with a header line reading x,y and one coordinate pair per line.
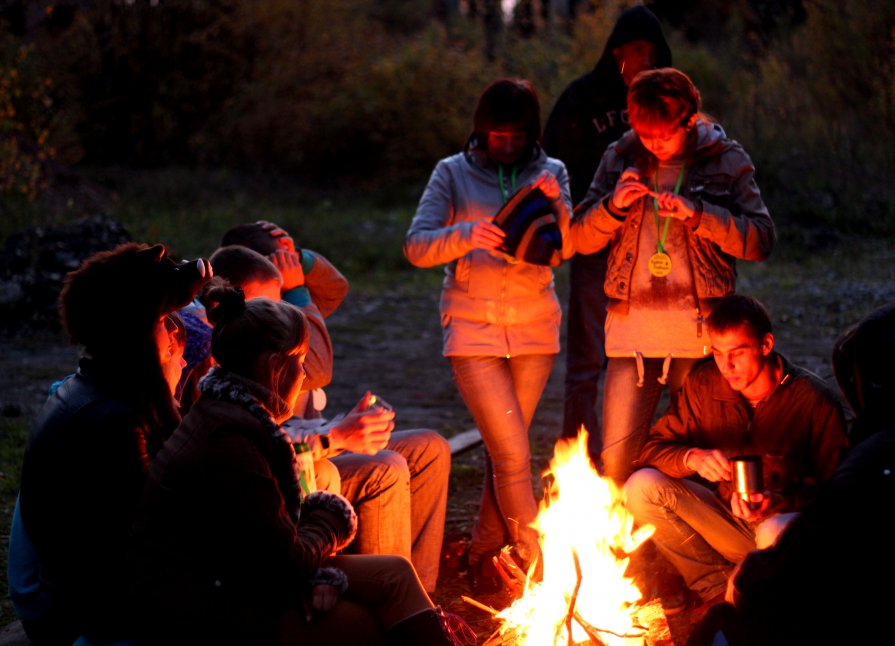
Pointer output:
x,y
217,553
591,112
825,581
82,475
799,431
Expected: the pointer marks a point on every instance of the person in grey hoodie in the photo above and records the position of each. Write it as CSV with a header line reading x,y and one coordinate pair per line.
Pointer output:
x,y
589,115
500,315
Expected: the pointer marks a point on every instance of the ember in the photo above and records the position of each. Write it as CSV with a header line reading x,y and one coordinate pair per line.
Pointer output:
x,y
586,536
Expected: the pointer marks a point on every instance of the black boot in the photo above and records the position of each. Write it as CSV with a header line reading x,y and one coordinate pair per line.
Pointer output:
x,y
431,628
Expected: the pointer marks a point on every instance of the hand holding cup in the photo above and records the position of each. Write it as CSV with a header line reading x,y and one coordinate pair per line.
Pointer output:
x,y
747,479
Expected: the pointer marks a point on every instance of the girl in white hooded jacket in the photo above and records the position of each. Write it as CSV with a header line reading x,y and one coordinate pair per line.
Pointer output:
x,y
500,316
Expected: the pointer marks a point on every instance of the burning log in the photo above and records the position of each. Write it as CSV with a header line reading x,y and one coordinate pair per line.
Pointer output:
x,y
517,582
582,594
510,573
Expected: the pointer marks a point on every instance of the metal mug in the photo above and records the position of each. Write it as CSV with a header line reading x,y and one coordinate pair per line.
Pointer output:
x,y
746,476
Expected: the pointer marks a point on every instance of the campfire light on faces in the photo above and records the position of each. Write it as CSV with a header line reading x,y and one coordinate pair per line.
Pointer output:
x,y
586,537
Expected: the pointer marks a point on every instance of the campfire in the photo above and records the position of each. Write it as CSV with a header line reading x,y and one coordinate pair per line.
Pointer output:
x,y
582,595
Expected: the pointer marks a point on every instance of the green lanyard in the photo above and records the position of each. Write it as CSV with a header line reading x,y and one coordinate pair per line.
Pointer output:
x,y
660,244
503,192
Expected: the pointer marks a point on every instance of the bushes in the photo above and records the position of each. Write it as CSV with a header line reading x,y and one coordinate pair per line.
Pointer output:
x,y
366,94
816,111
25,145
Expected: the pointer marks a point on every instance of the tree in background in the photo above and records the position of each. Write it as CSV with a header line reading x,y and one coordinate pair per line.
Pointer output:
x,y
375,92
25,147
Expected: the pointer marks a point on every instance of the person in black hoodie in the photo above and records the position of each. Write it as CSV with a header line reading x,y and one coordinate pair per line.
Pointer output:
x,y
589,115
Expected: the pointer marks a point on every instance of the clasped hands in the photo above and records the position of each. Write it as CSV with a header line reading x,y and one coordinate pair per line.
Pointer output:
x,y
714,466
286,258
366,428
631,188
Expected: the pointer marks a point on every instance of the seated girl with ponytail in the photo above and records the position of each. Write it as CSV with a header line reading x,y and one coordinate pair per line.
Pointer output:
x,y
226,549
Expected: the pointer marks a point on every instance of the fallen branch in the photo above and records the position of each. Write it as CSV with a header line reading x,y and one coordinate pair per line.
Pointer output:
x,y
480,606
510,573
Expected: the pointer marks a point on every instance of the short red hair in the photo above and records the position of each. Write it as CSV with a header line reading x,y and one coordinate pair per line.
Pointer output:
x,y
662,97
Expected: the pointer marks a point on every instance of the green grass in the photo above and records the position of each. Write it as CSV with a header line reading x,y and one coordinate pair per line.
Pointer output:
x,y
13,436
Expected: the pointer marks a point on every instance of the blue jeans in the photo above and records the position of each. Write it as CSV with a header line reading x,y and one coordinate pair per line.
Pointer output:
x,y
695,529
42,619
628,410
585,352
400,496
502,395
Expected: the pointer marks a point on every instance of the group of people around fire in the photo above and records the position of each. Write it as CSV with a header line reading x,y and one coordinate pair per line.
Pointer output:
x,y
165,495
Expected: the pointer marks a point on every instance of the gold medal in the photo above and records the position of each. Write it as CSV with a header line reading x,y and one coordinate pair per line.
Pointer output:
x,y
660,264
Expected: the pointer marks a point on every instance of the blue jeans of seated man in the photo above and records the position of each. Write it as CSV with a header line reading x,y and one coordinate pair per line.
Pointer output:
x,y
628,410
695,529
585,351
400,497
502,395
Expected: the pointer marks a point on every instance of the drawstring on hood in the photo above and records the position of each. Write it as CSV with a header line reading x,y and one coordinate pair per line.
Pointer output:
x,y
662,379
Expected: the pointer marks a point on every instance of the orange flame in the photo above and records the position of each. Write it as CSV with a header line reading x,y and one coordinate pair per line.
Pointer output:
x,y
585,536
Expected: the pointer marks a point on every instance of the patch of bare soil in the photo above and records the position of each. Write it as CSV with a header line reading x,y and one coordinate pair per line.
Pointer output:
x,y
390,343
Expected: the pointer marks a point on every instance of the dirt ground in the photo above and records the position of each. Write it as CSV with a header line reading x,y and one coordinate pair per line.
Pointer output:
x,y
390,343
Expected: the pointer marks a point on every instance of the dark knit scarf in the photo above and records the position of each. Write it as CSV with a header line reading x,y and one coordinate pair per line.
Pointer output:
x,y
263,404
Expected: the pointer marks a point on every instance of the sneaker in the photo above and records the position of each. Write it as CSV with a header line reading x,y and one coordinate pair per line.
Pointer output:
x,y
455,552
483,577
678,601
673,593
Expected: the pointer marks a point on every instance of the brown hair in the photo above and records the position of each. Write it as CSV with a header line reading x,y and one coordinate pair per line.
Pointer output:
x,y
738,309
240,265
662,97
507,101
245,330
251,235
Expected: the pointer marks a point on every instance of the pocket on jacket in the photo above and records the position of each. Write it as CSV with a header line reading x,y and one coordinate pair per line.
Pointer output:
x,y
714,189
461,272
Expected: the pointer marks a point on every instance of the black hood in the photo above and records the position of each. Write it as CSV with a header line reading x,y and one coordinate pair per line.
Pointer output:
x,y
862,363
636,23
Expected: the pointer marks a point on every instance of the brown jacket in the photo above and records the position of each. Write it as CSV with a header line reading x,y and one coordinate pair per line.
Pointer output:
x,y
218,550
799,431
